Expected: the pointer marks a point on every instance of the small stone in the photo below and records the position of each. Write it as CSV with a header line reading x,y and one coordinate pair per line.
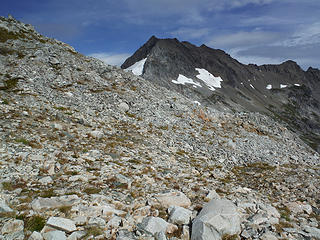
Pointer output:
x,y
54,235
57,126
36,236
97,134
80,220
179,215
97,221
46,180
4,207
64,224
114,222
124,107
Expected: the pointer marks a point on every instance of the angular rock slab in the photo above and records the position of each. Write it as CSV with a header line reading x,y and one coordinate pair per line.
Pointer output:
x,y
63,224
217,218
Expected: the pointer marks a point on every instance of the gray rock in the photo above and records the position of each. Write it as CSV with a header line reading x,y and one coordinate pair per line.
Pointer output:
x,y
212,195
36,236
160,236
12,226
217,218
55,235
4,207
98,221
60,223
80,220
97,134
313,232
171,199
13,229
54,202
124,107
153,225
46,180
77,235
114,222
125,235
179,215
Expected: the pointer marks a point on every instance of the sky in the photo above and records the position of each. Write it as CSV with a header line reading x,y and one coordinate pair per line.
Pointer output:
x,y
252,31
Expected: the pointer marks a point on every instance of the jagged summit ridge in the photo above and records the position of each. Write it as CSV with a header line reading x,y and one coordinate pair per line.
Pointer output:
x,y
89,151
277,90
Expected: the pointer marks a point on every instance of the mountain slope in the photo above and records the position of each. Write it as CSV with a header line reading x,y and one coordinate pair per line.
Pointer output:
x,y
89,151
213,78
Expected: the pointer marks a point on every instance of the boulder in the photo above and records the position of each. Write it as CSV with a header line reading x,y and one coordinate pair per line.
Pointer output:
x,y
217,218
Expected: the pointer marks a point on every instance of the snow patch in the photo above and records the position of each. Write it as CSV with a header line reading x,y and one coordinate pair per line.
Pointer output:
x,y
283,85
298,85
251,86
137,68
183,80
269,86
211,81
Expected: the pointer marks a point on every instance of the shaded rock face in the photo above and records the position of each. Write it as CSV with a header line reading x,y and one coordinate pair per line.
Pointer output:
x,y
270,89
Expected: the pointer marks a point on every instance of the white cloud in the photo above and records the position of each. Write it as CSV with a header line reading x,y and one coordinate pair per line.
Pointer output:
x,y
239,39
111,58
190,33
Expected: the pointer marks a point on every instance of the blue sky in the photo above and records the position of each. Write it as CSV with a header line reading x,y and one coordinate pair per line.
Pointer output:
x,y
252,31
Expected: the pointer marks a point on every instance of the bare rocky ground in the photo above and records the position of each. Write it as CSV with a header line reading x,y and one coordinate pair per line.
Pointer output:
x,y
88,151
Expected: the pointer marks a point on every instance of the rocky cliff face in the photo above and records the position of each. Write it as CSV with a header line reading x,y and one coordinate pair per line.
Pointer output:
x,y
213,78
89,151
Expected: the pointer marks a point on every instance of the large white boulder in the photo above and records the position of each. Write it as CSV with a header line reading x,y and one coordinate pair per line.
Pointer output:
x,y
219,217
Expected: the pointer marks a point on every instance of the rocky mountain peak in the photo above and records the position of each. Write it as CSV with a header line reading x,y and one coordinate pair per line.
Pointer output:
x,y
214,78
89,151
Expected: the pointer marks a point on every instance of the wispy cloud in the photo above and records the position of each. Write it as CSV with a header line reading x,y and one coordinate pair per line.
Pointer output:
x,y
110,58
190,33
240,39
